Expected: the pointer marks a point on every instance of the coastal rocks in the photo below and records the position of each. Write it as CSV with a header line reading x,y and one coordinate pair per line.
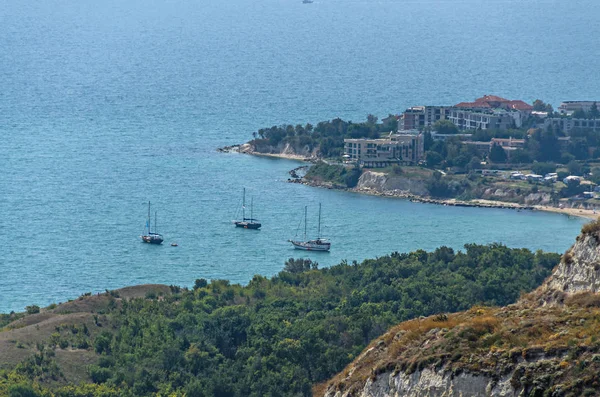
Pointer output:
x,y
381,182
579,269
432,383
282,150
561,309
516,196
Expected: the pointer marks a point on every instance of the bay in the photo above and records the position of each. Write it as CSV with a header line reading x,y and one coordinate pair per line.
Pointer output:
x,y
106,105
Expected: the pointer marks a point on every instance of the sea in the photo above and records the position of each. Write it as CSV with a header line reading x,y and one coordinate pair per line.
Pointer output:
x,y
107,105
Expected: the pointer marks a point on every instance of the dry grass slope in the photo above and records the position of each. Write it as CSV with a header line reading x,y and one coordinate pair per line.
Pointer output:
x,y
61,326
527,340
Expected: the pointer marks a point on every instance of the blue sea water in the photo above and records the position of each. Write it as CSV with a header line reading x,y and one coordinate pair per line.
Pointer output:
x,y
106,105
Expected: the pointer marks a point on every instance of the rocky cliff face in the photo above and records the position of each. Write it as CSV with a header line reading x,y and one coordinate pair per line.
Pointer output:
x,y
515,196
382,183
544,345
579,270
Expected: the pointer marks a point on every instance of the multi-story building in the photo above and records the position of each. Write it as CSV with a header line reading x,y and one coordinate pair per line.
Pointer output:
x,y
487,112
567,124
419,117
466,119
569,107
396,149
496,102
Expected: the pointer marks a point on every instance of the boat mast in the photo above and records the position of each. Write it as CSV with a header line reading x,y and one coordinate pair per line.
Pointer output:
x,y
305,207
244,205
251,209
319,229
148,217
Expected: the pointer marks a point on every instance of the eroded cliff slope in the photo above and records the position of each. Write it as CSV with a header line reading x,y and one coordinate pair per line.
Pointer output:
x,y
547,344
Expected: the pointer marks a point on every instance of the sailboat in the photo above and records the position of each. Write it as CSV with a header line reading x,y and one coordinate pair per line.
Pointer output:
x,y
319,244
247,223
151,237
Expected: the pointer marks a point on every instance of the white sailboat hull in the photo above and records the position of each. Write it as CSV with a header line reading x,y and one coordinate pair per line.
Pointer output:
x,y
313,245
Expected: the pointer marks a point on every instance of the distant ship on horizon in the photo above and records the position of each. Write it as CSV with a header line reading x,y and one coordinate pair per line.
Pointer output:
x,y
307,1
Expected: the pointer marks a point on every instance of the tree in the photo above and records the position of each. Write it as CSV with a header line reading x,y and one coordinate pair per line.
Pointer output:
x,y
543,168
474,164
575,168
497,154
427,140
433,158
579,114
595,175
594,113
543,145
299,265
445,127
539,105
520,156
371,119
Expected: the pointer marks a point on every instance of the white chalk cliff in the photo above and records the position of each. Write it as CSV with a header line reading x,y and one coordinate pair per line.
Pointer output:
x,y
393,365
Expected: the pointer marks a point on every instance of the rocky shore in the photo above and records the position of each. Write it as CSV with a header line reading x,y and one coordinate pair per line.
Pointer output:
x,y
478,203
285,152
296,176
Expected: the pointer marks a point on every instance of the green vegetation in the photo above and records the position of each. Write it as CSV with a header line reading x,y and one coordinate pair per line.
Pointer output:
x,y
328,136
278,336
336,174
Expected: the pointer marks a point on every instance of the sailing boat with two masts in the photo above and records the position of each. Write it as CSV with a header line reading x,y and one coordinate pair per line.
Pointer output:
x,y
151,237
247,223
319,244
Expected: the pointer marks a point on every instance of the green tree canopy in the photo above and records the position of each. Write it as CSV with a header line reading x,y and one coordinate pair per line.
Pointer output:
x,y
497,154
445,127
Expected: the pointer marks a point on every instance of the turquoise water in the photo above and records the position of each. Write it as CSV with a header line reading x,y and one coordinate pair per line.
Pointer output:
x,y
106,105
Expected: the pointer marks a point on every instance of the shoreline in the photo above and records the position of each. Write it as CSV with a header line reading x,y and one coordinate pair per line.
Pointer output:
x,y
477,203
247,149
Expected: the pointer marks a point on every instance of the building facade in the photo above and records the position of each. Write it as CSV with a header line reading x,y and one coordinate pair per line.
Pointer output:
x,y
569,124
569,107
466,119
419,117
396,149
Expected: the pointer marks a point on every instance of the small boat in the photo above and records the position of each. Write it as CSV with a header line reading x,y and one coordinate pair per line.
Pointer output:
x,y
247,223
319,244
307,1
151,237
174,244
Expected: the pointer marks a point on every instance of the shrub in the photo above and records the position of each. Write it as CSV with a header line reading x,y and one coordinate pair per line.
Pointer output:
x,y
397,170
102,343
200,283
32,309
98,374
591,228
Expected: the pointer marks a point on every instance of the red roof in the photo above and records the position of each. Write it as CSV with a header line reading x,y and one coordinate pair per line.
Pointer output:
x,y
473,105
493,101
491,98
520,105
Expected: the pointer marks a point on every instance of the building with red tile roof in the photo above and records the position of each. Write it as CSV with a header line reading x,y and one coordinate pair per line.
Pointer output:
x,y
495,102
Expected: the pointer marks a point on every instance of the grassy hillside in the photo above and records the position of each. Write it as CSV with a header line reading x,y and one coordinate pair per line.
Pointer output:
x,y
272,337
